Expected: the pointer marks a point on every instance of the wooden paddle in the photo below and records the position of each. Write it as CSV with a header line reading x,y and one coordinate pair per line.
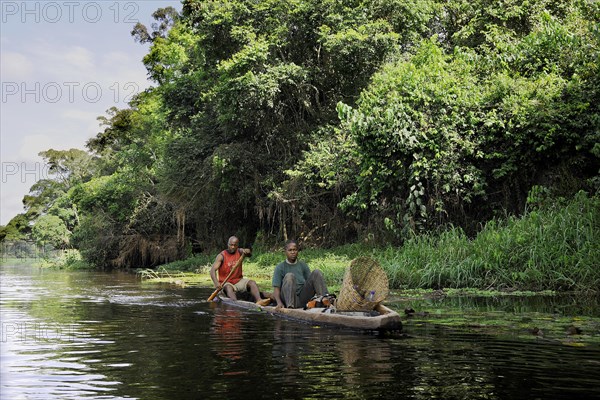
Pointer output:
x,y
218,289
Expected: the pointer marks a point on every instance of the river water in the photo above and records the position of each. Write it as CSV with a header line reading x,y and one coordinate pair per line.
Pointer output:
x,y
87,335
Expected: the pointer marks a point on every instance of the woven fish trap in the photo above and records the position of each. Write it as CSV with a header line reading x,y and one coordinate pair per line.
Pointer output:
x,y
363,276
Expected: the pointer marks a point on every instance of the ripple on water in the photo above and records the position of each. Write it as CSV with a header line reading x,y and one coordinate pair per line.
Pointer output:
x,y
92,336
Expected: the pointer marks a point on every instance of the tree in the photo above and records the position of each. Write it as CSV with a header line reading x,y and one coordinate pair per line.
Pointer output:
x,y
436,131
69,166
260,78
165,18
334,121
18,228
51,230
48,197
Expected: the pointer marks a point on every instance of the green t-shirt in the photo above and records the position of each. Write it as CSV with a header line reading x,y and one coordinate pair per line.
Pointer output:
x,y
300,270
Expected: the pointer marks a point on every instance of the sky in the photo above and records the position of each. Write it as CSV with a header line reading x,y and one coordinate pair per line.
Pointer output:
x,y
62,65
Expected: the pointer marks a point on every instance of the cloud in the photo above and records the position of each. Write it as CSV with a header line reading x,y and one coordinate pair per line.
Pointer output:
x,y
62,63
16,67
11,200
79,58
117,58
86,120
79,115
124,68
31,145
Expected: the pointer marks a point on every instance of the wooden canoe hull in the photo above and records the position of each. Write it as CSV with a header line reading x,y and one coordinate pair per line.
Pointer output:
x,y
387,320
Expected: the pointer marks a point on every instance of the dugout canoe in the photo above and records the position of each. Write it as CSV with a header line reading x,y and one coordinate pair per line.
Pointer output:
x,y
384,319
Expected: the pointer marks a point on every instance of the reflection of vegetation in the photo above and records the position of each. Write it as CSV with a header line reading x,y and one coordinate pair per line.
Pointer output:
x,y
25,249
156,340
547,318
417,293
46,256
498,313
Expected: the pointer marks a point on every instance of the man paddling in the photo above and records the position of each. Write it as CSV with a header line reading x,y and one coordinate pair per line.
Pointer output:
x,y
222,266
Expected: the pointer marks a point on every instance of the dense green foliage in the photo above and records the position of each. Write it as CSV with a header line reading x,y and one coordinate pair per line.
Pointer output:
x,y
336,122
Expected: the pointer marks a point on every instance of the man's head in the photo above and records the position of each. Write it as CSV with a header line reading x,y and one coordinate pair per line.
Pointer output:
x,y
291,250
232,244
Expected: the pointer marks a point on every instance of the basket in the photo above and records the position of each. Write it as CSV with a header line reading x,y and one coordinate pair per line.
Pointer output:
x,y
361,277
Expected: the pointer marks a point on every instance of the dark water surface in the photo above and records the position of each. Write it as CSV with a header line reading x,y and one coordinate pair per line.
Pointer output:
x,y
81,335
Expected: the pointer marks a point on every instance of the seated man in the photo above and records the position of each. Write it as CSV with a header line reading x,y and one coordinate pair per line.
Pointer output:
x,y
293,283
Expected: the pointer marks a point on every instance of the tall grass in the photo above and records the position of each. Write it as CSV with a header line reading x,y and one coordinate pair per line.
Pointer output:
x,y
197,263
554,248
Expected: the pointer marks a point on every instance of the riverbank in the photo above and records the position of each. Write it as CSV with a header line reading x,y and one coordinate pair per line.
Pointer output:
x,y
555,247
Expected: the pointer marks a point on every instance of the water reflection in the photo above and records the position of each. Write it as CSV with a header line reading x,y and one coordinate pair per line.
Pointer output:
x,y
227,326
327,362
564,304
45,361
107,336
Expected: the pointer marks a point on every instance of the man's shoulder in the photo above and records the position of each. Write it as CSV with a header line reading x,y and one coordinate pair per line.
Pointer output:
x,y
280,265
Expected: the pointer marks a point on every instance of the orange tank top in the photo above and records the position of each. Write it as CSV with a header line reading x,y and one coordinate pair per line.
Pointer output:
x,y
229,261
